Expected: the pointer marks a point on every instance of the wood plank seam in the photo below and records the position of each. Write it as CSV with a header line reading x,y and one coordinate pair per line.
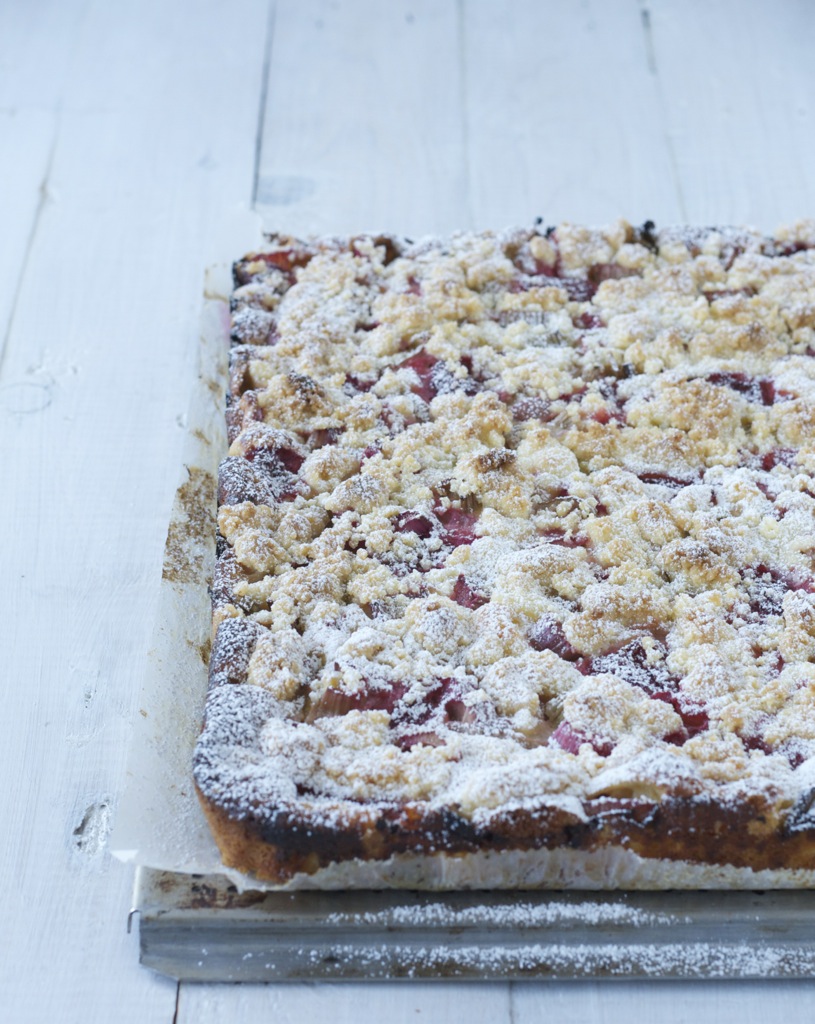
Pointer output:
x,y
464,111
264,93
29,245
653,67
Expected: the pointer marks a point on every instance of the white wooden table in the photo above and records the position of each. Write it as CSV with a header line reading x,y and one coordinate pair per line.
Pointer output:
x,y
131,134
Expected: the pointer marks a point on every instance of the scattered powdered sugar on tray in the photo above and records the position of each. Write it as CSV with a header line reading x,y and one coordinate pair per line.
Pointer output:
x,y
686,960
519,915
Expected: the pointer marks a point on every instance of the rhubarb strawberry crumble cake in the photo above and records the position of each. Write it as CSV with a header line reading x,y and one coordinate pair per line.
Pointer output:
x,y
516,539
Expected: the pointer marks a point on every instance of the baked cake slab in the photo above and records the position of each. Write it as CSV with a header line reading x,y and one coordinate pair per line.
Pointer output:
x,y
515,578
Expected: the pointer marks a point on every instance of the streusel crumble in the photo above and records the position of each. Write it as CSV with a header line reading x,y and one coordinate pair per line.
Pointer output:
x,y
516,549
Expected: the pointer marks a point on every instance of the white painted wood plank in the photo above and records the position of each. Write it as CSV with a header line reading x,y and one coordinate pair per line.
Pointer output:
x,y
738,83
155,145
29,118
26,143
563,117
676,1002
396,1003
531,1002
157,122
37,45
363,127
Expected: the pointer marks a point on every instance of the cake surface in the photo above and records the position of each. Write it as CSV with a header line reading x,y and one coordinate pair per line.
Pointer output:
x,y
516,550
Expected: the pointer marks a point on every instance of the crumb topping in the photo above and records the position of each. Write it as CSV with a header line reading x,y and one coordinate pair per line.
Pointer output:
x,y
517,519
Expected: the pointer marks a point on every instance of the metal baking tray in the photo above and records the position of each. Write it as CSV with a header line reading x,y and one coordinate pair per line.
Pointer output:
x,y
200,928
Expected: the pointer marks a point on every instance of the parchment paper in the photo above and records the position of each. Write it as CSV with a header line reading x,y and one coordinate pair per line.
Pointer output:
x,y
160,823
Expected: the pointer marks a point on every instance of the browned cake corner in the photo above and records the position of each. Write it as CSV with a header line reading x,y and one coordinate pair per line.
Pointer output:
x,y
516,539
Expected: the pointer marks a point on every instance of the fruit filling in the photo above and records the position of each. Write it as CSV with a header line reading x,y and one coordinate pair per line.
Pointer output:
x,y
512,511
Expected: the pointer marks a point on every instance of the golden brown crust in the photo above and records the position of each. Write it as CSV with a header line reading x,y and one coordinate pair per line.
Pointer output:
x,y
516,540
751,836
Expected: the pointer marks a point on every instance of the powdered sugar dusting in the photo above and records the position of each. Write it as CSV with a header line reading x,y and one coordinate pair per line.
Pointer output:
x,y
524,915
686,960
539,507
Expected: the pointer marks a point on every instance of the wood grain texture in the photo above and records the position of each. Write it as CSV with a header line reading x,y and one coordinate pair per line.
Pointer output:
x,y
364,126
26,146
127,140
157,112
736,88
29,123
563,114
396,1003
674,1002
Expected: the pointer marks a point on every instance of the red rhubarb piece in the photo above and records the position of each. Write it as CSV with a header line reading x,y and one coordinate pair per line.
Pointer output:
x,y
694,718
422,363
336,701
357,383
413,522
457,525
778,457
589,321
631,664
571,740
547,635
466,596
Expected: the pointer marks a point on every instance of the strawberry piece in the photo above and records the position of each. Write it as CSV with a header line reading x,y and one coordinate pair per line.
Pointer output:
x,y
530,266
572,396
615,410
606,416
766,388
456,710
775,664
766,598
793,750
284,260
